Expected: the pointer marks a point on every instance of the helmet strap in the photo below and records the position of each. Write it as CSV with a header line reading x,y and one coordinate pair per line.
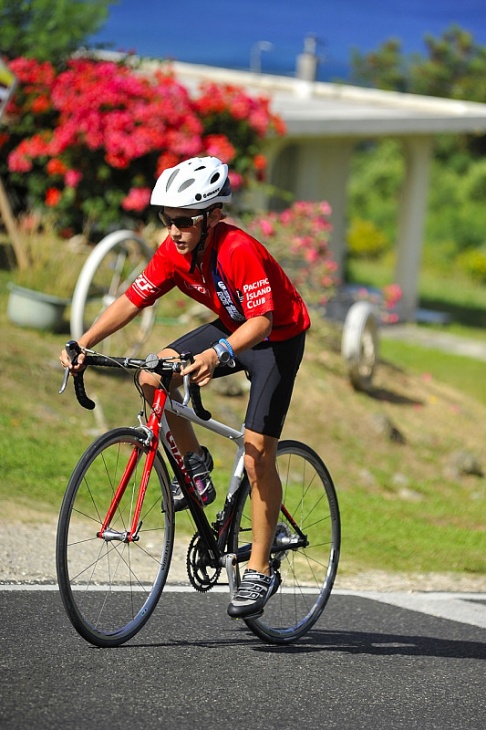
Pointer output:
x,y
202,241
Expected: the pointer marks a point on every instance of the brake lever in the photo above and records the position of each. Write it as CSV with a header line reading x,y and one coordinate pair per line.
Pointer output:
x,y
64,381
73,349
186,357
187,392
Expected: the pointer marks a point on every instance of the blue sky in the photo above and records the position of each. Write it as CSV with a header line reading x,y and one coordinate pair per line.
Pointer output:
x,y
224,33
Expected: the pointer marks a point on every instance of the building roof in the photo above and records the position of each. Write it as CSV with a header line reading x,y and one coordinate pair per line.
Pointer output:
x,y
315,109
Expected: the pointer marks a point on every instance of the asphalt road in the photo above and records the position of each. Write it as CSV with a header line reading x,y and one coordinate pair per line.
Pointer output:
x,y
367,664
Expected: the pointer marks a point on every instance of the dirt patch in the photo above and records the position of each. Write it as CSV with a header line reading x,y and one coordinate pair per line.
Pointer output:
x,y
29,557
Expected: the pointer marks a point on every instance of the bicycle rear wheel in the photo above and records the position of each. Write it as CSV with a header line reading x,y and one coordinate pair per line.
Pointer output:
x,y
110,587
307,566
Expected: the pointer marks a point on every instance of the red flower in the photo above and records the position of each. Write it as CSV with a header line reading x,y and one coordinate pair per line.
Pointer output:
x,y
56,167
53,196
40,104
218,145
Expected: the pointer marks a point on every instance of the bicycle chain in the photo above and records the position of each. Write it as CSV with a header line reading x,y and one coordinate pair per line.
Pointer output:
x,y
201,574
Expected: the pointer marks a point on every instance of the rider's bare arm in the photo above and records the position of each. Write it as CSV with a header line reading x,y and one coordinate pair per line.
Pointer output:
x,y
114,318
251,332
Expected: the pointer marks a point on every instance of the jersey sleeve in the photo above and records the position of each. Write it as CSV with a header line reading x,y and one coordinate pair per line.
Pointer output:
x,y
155,281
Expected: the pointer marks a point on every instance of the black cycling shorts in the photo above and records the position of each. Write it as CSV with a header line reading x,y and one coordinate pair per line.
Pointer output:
x,y
271,368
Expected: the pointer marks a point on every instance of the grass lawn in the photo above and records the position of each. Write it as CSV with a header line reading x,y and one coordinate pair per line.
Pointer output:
x,y
403,507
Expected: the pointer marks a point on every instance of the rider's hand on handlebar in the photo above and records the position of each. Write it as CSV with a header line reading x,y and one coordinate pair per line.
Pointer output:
x,y
202,369
66,362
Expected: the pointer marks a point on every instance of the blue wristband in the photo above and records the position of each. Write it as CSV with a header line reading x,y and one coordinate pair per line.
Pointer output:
x,y
228,347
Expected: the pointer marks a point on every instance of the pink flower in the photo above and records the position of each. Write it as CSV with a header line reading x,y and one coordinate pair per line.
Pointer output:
x,y
137,199
236,179
266,227
72,178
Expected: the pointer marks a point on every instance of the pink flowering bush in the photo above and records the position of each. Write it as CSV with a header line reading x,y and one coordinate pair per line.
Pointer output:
x,y
298,238
88,142
384,300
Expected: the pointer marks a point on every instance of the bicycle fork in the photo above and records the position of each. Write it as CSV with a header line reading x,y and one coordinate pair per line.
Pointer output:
x,y
152,439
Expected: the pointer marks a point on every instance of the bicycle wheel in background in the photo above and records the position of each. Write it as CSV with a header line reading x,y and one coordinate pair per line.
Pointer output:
x,y
111,267
110,587
307,571
360,344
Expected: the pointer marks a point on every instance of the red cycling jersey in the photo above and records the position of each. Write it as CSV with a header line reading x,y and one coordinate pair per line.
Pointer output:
x,y
237,279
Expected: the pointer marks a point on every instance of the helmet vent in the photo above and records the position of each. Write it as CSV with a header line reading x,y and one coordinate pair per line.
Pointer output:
x,y
171,179
215,177
186,184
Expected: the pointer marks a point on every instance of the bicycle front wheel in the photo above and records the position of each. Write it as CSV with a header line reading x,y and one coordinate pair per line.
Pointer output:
x,y
110,586
306,547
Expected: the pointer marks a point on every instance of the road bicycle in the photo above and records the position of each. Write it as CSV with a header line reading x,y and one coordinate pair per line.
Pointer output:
x,y
116,524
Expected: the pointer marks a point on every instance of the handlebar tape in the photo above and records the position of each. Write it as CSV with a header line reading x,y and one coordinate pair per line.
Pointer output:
x,y
73,350
81,394
199,410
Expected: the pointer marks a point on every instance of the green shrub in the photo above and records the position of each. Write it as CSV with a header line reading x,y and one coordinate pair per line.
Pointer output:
x,y
366,240
475,182
473,262
375,180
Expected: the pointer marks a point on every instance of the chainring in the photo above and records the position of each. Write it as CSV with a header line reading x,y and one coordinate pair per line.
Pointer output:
x,y
202,574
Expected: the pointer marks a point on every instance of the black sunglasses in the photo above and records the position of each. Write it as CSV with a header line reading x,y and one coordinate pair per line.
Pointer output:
x,y
181,222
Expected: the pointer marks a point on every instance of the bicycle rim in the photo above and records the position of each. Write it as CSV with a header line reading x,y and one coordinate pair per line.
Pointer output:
x,y
110,588
307,572
110,269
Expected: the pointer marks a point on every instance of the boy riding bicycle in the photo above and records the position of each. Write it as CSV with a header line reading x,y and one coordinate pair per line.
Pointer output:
x,y
260,328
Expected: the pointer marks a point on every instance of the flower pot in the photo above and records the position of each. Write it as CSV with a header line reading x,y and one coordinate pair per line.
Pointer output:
x,y
29,308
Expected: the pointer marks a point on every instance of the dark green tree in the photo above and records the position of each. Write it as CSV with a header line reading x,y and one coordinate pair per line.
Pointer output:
x,y
383,69
49,30
454,67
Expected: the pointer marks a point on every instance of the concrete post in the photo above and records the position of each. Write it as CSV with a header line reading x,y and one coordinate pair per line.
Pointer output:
x,y
321,173
413,206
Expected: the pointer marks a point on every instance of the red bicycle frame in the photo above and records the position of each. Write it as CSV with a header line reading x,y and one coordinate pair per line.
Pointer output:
x,y
153,428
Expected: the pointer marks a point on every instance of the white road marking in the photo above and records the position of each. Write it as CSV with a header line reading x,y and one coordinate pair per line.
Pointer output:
x,y
466,608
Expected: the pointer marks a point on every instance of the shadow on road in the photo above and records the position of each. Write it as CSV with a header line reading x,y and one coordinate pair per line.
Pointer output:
x,y
357,642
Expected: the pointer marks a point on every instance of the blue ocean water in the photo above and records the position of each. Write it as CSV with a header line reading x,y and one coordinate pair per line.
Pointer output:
x,y
269,34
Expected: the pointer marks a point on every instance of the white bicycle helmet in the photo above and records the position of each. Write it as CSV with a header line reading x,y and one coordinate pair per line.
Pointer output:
x,y
195,184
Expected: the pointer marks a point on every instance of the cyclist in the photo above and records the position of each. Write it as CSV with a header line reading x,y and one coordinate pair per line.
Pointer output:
x,y
260,328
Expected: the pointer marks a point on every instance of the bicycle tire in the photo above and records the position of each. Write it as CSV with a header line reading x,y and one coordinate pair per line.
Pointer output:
x,y
360,344
110,588
307,573
111,267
